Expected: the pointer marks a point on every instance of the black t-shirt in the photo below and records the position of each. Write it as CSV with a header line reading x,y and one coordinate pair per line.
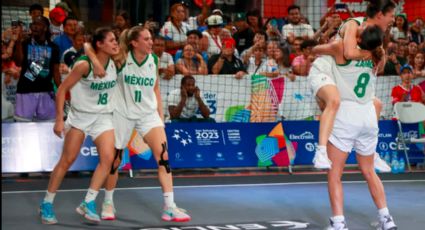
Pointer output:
x,y
44,56
244,39
232,67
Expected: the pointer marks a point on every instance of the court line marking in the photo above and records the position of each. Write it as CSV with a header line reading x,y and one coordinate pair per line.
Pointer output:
x,y
213,186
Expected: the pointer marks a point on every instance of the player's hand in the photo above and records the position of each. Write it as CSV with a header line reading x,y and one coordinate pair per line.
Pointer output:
x,y
58,129
99,71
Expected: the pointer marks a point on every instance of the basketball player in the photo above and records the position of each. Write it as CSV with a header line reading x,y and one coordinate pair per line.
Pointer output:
x,y
139,107
355,126
379,13
90,114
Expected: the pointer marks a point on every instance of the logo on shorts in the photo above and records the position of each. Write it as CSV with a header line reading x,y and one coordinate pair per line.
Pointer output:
x,y
182,136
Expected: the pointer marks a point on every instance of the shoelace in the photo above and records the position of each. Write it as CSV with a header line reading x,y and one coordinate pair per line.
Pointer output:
x,y
48,209
91,206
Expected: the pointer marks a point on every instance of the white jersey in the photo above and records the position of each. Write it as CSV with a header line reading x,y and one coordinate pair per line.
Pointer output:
x,y
94,95
356,81
359,21
214,45
136,82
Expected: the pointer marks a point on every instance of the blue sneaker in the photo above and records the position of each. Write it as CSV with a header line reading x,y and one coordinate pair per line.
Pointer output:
x,y
88,210
47,214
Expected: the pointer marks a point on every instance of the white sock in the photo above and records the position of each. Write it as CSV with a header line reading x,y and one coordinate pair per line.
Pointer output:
x,y
50,196
383,212
169,199
91,195
322,148
337,219
109,195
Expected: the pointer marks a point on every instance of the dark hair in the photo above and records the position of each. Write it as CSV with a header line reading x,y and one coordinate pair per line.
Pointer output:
x,y
100,35
186,78
371,38
159,37
46,22
70,17
262,32
124,14
376,6
405,25
308,43
36,6
255,13
197,32
292,7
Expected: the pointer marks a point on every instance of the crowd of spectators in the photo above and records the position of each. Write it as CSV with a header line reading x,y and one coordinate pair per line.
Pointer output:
x,y
35,61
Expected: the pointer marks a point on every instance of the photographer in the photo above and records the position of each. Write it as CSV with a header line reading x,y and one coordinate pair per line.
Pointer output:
x,y
226,62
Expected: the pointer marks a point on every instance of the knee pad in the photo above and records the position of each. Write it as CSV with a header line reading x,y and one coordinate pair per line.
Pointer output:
x,y
163,162
118,154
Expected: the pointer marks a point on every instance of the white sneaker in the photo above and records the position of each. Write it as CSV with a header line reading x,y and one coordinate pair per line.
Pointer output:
x,y
321,160
337,226
175,214
108,210
380,164
385,223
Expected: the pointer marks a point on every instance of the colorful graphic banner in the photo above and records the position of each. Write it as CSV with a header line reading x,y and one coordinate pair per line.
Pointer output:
x,y
32,147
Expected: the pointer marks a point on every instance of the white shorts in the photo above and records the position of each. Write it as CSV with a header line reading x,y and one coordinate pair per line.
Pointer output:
x,y
124,127
355,127
92,124
321,73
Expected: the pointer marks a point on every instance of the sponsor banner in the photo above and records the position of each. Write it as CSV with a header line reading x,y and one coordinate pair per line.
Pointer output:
x,y
32,147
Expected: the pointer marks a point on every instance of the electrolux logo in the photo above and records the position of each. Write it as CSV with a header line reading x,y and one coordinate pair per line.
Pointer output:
x,y
304,136
280,224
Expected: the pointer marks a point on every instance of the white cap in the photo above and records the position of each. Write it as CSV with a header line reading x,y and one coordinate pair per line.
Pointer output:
x,y
217,11
214,20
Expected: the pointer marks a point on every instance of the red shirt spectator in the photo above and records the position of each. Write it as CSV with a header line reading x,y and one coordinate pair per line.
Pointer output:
x,y
406,91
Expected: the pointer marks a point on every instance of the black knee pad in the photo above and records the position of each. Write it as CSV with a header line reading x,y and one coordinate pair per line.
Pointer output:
x,y
118,154
163,162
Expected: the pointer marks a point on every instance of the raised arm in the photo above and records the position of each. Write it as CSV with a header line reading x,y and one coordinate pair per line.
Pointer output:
x,y
98,69
350,43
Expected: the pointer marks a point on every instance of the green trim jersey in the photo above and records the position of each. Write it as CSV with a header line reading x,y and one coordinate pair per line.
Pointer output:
x,y
94,95
359,21
356,81
136,82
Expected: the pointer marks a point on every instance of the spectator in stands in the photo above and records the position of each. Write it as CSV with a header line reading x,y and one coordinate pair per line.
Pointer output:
x,y
57,15
415,31
166,67
39,59
11,36
406,91
302,63
193,38
419,65
281,56
244,37
9,80
260,40
122,21
210,38
175,30
400,29
226,62
256,61
64,41
36,10
295,28
328,29
272,30
295,49
394,61
183,103
412,50
255,21
191,63
197,22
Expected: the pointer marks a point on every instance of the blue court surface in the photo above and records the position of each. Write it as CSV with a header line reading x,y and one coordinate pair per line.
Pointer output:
x,y
220,202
